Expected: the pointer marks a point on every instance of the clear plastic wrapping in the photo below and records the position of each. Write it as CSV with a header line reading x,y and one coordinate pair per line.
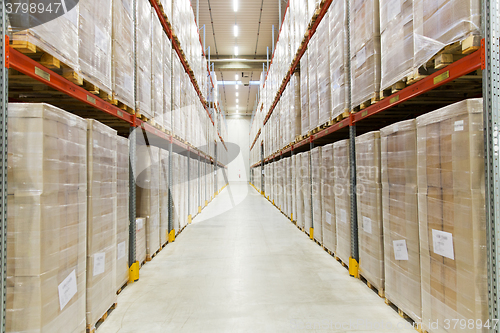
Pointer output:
x,y
400,214
140,239
338,57
369,200
148,194
328,198
46,219
289,186
164,189
324,89
157,69
175,191
101,220
58,37
396,28
304,92
342,199
143,67
299,198
312,73
123,68
365,50
451,212
306,189
295,106
122,216
167,83
437,24
316,178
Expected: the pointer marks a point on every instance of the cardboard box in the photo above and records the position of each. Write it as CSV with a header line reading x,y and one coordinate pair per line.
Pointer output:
x,y
140,239
317,194
342,199
328,198
122,217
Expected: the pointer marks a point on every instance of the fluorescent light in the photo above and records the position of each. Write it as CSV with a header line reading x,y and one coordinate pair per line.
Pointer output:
x,y
236,50
237,100
235,5
235,30
237,94
236,86
236,77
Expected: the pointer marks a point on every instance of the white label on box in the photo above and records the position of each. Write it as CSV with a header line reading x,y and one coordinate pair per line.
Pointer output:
x,y
443,243
328,218
263,172
400,250
99,263
459,125
67,289
139,224
367,224
360,57
121,250
343,216
101,40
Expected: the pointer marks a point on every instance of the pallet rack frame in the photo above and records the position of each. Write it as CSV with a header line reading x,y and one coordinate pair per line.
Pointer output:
x,y
487,59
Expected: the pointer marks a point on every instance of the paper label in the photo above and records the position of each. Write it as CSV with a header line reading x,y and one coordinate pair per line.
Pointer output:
x,y
67,289
328,218
100,39
443,243
139,224
343,216
361,57
367,224
121,250
99,263
400,250
459,125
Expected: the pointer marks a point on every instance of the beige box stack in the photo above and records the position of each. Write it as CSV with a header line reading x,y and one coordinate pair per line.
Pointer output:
x,y
396,29
306,189
164,157
451,210
167,83
342,199
400,214
94,35
148,195
176,188
437,24
316,178
365,50
143,67
312,72
324,89
293,187
295,106
157,69
46,221
58,37
101,220
123,69
140,239
304,92
122,217
338,58
328,198
369,200
299,197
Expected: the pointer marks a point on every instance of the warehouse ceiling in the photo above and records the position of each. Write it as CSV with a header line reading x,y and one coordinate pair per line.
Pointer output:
x,y
254,19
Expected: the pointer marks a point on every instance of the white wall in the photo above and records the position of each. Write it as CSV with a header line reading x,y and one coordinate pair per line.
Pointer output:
x,y
239,133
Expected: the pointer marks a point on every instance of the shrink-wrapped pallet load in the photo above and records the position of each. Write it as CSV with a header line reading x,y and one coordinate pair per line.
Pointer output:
x,y
46,220
305,163
338,58
148,195
369,203
365,50
316,178
122,216
143,54
293,187
295,106
451,212
438,24
58,38
289,187
328,198
324,89
157,69
299,197
101,220
167,83
94,35
342,199
304,93
312,73
175,191
140,239
396,29
123,68
400,216
164,189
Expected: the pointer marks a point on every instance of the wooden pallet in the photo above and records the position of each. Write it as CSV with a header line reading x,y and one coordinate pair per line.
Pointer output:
x,y
341,262
122,106
121,288
92,328
415,323
340,117
373,100
141,117
380,291
150,257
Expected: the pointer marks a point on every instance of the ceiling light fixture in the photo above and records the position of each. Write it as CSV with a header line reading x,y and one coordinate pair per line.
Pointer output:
x,y
236,86
237,94
236,77
236,50
237,100
235,5
235,30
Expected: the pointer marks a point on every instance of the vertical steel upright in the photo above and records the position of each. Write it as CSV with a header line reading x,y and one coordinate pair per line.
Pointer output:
x,y
491,101
4,82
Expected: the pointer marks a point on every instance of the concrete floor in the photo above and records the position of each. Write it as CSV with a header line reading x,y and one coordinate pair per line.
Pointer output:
x,y
244,267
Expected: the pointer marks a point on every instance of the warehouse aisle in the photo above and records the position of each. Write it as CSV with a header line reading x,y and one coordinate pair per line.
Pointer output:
x,y
247,269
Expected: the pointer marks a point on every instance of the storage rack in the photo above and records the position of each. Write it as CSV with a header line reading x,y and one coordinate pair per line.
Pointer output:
x,y
76,99
459,80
